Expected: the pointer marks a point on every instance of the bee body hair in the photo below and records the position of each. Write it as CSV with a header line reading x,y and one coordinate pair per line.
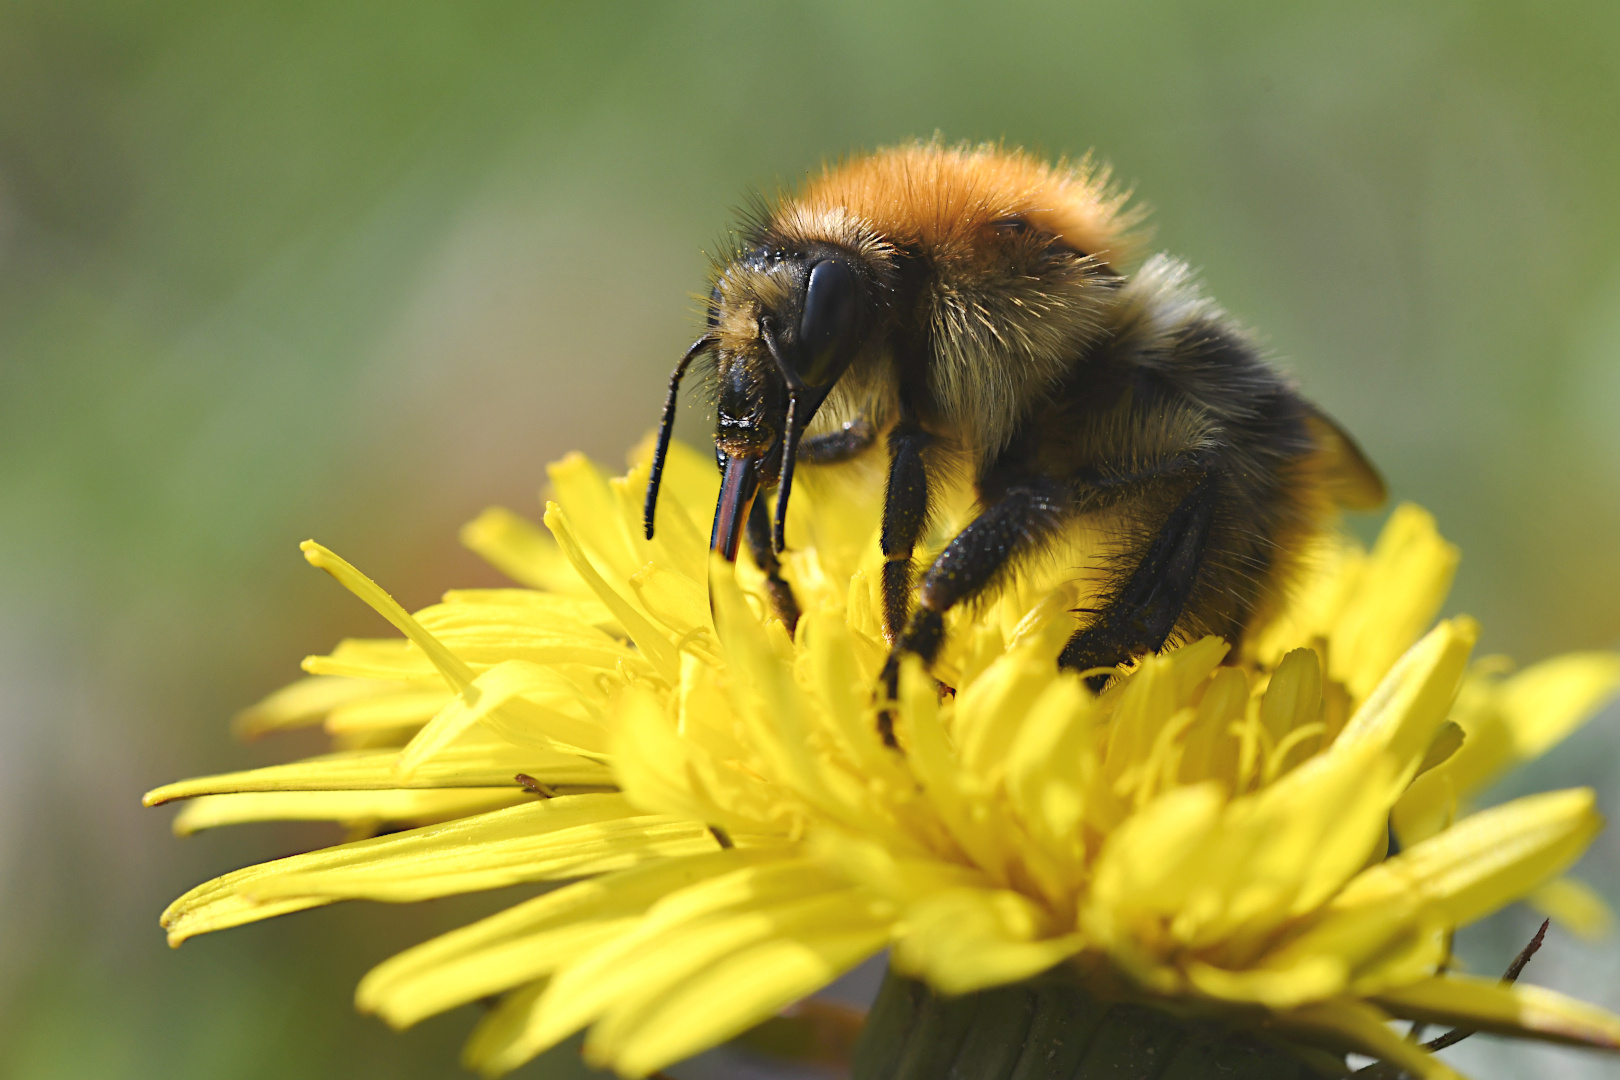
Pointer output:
x,y
973,310
1173,395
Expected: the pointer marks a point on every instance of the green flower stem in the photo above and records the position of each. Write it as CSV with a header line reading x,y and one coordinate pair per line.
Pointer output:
x,y
1052,1029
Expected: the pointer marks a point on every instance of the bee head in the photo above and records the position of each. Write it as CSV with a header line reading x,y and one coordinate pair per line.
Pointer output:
x,y
786,322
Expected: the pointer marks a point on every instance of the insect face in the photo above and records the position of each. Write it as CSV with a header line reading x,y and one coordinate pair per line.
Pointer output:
x,y
785,325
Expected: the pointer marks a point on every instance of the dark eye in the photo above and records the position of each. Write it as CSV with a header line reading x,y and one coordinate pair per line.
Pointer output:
x,y
829,316
714,306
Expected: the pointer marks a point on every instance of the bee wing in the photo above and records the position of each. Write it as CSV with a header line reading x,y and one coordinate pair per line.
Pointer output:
x,y
1351,479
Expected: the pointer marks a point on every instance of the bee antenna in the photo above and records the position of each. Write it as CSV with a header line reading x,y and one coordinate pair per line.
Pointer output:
x,y
666,428
790,433
784,485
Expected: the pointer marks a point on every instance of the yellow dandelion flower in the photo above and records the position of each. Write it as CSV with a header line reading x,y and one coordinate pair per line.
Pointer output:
x,y
1209,836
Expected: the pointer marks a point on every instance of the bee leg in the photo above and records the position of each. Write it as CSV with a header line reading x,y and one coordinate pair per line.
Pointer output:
x,y
1143,610
1028,513
905,510
835,446
758,532
849,441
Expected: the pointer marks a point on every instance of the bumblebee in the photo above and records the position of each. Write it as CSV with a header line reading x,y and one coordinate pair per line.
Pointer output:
x,y
970,310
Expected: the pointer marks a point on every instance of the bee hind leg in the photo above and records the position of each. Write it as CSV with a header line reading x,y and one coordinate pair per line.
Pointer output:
x,y
1142,611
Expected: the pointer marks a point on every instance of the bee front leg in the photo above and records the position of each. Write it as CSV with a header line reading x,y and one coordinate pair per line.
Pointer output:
x,y
758,532
1140,612
845,444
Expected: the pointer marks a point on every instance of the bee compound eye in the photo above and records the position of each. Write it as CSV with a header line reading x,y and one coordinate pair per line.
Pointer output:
x,y
715,297
829,316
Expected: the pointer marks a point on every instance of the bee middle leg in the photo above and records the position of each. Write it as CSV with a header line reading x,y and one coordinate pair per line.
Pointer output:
x,y
1025,515
905,512
1142,610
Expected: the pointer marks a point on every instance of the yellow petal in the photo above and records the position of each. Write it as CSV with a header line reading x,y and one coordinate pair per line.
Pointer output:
x,y
468,765
583,491
491,846
454,670
651,761
576,851
1363,1028
1312,978
524,553
679,602
1485,860
932,760
1294,695
652,641
1400,589
723,1001
1402,714
703,714
1209,750
396,709
389,659
1575,905
531,940
303,703
1510,1009
1507,721
1545,703
1141,864
690,478
991,709
1365,947
685,933
408,808
1049,765
1230,877
1349,800
499,1044
578,607
484,633
775,711
526,703
962,940
1426,807
1154,693
680,542
844,685
881,872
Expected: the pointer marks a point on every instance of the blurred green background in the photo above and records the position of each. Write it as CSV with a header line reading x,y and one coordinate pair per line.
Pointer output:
x,y
357,269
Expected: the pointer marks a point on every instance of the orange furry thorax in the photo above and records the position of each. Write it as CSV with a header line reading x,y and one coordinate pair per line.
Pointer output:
x,y
943,197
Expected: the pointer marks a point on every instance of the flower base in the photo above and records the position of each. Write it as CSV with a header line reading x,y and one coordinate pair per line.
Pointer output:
x,y
1052,1029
